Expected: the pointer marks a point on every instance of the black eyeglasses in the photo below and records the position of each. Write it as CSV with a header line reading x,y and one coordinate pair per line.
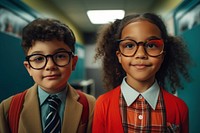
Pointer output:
x,y
153,47
39,61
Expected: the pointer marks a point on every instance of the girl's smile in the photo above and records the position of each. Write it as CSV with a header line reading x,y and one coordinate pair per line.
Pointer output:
x,y
140,66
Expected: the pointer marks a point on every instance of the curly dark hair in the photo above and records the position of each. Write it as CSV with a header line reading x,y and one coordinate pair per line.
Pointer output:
x,y
44,29
175,61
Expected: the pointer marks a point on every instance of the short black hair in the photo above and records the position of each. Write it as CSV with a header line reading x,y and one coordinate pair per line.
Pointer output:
x,y
44,29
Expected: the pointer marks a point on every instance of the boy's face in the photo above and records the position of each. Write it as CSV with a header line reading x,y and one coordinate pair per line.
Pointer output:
x,y
51,78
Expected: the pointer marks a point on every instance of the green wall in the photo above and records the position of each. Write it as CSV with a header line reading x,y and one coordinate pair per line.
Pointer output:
x,y
13,76
187,25
79,73
192,90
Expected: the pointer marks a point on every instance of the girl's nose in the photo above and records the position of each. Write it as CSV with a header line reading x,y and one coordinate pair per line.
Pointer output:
x,y
141,53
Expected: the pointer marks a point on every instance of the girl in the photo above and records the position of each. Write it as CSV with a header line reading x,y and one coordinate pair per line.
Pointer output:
x,y
138,58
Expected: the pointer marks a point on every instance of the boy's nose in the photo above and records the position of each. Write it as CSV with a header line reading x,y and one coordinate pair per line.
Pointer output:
x,y
50,64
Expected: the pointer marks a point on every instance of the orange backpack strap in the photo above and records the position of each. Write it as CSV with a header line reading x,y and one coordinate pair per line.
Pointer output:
x,y
83,100
14,111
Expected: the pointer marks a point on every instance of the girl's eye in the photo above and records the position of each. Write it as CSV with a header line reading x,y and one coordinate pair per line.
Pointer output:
x,y
151,45
129,45
154,43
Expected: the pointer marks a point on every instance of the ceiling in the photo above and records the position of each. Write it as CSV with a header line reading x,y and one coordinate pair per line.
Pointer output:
x,y
75,10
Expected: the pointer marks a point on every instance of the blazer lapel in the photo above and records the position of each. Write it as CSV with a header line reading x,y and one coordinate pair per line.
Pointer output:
x,y
73,111
30,115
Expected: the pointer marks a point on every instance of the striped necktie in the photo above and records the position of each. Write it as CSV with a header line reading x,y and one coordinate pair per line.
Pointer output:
x,y
53,122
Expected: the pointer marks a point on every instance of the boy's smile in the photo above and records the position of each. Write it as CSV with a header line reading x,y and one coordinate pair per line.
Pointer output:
x,y
52,76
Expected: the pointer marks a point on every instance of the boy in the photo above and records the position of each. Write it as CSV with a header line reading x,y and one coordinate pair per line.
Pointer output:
x,y
51,104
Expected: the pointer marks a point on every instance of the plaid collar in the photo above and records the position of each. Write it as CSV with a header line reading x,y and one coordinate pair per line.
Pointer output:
x,y
150,95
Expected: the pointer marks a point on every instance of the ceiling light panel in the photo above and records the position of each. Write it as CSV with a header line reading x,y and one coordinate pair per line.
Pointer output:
x,y
104,16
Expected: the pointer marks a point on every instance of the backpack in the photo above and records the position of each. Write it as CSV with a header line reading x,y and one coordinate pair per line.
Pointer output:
x,y
17,103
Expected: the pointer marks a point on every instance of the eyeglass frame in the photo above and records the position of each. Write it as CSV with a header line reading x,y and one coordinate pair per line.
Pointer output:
x,y
143,43
70,53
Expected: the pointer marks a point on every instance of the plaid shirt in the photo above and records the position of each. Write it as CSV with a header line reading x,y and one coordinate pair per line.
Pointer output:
x,y
140,117
144,112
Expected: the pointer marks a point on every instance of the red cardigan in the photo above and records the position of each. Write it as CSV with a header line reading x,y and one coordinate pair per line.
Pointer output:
x,y
107,118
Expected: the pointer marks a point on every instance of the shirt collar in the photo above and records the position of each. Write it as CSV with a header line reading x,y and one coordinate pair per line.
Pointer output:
x,y
43,95
150,95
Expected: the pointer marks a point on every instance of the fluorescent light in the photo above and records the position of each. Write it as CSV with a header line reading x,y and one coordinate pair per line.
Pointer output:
x,y
104,16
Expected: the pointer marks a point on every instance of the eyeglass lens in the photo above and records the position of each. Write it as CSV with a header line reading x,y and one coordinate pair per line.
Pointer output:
x,y
39,61
128,47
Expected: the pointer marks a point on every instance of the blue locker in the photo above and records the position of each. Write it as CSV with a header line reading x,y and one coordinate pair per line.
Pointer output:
x,y
187,25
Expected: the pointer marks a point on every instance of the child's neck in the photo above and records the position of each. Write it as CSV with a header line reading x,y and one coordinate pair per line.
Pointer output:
x,y
140,86
54,90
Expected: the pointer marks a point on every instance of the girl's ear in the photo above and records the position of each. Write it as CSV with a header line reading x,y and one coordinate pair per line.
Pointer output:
x,y
118,56
74,61
28,68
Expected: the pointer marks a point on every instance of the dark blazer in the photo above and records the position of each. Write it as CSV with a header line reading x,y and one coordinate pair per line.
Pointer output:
x,y
30,120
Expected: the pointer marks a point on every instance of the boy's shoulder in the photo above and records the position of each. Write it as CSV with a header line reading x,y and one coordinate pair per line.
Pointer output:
x,y
89,97
5,104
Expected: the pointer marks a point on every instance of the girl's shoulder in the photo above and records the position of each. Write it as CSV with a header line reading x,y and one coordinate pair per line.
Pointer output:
x,y
110,95
173,100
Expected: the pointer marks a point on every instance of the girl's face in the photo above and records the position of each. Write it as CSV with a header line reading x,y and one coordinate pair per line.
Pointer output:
x,y
51,78
140,68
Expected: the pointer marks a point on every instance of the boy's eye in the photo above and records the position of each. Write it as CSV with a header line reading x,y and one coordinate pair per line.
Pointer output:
x,y
61,56
37,58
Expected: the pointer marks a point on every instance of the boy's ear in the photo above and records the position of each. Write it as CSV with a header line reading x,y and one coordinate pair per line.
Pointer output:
x,y
118,56
74,61
28,68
